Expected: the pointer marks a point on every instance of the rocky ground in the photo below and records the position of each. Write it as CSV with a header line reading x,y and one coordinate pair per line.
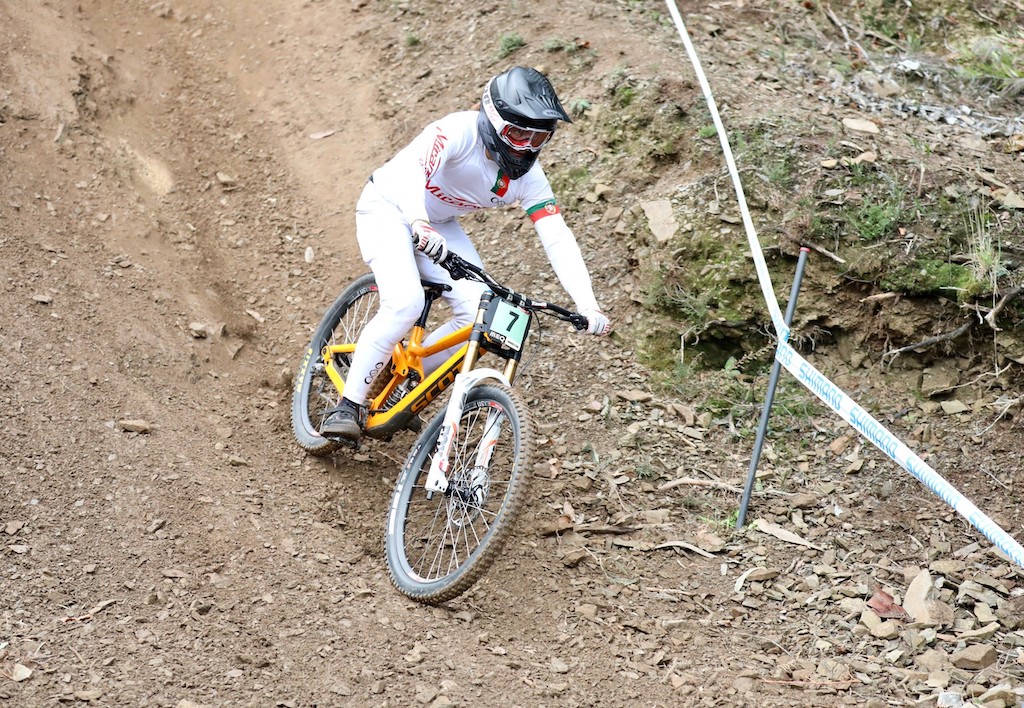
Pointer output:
x,y
177,182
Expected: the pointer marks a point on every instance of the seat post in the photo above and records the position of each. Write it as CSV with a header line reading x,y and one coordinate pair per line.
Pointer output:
x,y
431,292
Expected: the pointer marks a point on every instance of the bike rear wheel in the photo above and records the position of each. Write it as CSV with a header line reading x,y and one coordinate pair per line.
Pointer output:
x,y
439,544
314,393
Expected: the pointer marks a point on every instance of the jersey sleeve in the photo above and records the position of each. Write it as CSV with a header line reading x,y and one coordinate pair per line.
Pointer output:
x,y
538,201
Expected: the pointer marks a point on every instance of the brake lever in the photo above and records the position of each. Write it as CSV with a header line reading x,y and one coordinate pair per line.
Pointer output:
x,y
578,321
453,263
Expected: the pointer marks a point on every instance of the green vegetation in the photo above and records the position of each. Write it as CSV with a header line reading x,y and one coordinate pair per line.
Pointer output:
x,y
411,40
860,201
994,60
645,470
509,43
565,179
794,405
624,96
708,371
895,217
569,183
877,216
781,172
929,275
656,16
891,232
768,148
644,128
954,245
719,522
894,221
885,25
986,257
561,45
578,107
704,286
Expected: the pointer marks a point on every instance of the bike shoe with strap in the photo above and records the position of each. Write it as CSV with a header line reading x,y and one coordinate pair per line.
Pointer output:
x,y
343,421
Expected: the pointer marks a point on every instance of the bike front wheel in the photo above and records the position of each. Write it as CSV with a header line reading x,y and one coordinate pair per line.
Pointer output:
x,y
314,393
439,544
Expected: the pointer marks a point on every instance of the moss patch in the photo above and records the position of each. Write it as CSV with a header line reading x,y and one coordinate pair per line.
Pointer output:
x,y
931,276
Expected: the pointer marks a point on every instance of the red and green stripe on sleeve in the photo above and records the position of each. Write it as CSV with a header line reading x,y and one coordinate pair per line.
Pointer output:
x,y
545,208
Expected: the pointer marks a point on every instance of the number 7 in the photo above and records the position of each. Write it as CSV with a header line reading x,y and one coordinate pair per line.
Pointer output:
x,y
515,318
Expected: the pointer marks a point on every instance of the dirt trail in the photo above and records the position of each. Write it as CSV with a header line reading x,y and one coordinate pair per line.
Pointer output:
x,y
177,182
163,235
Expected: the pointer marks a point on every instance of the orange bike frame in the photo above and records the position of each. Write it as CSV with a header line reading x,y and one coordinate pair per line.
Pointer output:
x,y
406,359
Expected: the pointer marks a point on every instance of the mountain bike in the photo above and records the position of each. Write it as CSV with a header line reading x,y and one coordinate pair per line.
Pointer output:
x,y
461,488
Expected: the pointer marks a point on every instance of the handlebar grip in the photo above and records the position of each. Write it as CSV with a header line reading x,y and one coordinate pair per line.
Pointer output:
x,y
579,322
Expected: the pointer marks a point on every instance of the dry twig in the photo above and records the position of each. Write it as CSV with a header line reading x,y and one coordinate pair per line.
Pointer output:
x,y
823,251
690,481
1013,3
846,35
890,356
887,40
1005,406
812,683
990,318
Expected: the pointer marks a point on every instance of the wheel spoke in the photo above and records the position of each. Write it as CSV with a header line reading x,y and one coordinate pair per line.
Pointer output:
x,y
350,324
314,391
442,532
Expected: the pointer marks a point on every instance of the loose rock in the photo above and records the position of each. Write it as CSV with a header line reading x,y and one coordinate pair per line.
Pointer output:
x,y
134,425
974,658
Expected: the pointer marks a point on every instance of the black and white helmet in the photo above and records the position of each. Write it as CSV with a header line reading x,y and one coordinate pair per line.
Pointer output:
x,y
518,115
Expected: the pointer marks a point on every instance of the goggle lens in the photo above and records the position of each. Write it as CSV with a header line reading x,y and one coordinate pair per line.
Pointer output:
x,y
525,138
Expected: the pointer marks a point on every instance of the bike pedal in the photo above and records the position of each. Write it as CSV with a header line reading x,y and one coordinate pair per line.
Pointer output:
x,y
344,442
415,424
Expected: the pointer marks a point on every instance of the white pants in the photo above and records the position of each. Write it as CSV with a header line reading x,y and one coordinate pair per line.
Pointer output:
x,y
385,241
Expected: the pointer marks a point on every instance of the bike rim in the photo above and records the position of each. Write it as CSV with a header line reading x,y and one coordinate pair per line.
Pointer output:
x,y
322,393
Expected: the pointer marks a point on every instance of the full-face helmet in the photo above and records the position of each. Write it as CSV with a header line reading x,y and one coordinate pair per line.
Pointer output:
x,y
518,115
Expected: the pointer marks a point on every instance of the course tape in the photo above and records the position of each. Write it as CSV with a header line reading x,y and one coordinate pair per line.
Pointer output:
x,y
817,382
876,433
763,278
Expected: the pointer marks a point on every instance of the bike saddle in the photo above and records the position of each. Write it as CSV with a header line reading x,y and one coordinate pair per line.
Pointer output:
x,y
434,289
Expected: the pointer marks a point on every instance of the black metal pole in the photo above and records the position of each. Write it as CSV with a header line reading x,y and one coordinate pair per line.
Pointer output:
x,y
773,382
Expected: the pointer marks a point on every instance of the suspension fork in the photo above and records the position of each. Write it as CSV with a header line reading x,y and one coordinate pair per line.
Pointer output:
x,y
437,475
492,429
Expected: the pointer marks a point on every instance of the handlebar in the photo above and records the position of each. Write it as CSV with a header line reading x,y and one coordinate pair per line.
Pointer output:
x,y
459,268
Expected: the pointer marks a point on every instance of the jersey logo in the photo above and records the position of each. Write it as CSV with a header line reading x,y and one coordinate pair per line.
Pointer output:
x,y
434,158
539,211
454,201
501,185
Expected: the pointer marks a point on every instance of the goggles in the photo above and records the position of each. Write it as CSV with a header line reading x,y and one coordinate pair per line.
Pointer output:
x,y
515,136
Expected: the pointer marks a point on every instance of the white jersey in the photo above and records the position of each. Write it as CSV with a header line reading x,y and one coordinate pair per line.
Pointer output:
x,y
449,160
445,172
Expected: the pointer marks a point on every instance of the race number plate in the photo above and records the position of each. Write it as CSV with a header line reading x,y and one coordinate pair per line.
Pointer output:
x,y
508,325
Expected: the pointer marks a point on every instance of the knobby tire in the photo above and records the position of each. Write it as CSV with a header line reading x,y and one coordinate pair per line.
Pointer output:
x,y
313,392
439,545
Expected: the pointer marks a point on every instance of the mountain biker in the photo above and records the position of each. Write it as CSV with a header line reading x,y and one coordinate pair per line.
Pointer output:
x,y
406,222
